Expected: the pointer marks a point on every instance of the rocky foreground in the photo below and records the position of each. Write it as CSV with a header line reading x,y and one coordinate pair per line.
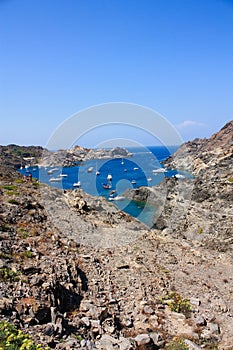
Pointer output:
x,y
75,272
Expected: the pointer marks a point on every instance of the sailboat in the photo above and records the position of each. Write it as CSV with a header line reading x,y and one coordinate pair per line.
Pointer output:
x,y
96,171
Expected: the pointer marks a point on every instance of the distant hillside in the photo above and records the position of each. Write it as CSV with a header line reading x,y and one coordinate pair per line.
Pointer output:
x,y
15,156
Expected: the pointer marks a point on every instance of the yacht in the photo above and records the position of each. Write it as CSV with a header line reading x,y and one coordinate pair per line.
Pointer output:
x,y
159,170
89,170
55,179
107,186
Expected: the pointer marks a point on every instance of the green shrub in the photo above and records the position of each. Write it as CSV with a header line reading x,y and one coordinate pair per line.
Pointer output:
x,y
5,256
13,201
22,232
28,254
10,187
18,181
177,344
5,228
176,303
6,274
13,339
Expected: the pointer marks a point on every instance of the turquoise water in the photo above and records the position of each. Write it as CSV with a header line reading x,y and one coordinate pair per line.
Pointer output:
x,y
138,168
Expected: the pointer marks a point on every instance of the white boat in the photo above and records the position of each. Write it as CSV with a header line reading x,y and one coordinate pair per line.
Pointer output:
x,y
97,173
21,167
107,186
89,170
135,168
55,179
51,171
133,182
27,166
122,162
77,184
179,176
63,175
109,177
149,179
160,170
117,198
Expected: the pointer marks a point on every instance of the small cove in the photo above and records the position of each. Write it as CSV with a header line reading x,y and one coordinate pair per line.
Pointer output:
x,y
143,168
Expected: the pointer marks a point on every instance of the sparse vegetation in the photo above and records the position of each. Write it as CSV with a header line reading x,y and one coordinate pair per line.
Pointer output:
x,y
10,187
6,274
18,181
177,303
5,256
13,201
12,338
5,228
177,344
28,254
22,232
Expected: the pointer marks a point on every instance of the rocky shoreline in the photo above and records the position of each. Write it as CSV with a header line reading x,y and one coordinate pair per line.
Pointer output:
x,y
21,156
76,272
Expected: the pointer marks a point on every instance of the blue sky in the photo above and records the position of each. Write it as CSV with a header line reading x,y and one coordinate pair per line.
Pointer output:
x,y
59,57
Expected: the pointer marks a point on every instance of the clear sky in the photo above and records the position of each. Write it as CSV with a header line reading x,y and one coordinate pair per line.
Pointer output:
x,y
60,56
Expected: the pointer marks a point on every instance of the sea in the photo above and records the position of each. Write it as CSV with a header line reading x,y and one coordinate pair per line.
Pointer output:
x,y
110,178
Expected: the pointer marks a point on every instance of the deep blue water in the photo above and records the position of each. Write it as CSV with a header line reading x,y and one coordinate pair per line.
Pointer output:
x,y
138,167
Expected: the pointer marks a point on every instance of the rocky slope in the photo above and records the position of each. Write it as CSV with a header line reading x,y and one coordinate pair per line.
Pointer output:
x,y
75,272
201,154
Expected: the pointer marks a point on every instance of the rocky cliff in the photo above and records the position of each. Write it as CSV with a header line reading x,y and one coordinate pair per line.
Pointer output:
x,y
75,272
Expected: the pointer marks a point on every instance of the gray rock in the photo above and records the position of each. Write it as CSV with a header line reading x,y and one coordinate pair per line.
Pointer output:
x,y
49,329
148,310
214,328
156,337
142,339
200,321
195,301
86,321
107,342
83,342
